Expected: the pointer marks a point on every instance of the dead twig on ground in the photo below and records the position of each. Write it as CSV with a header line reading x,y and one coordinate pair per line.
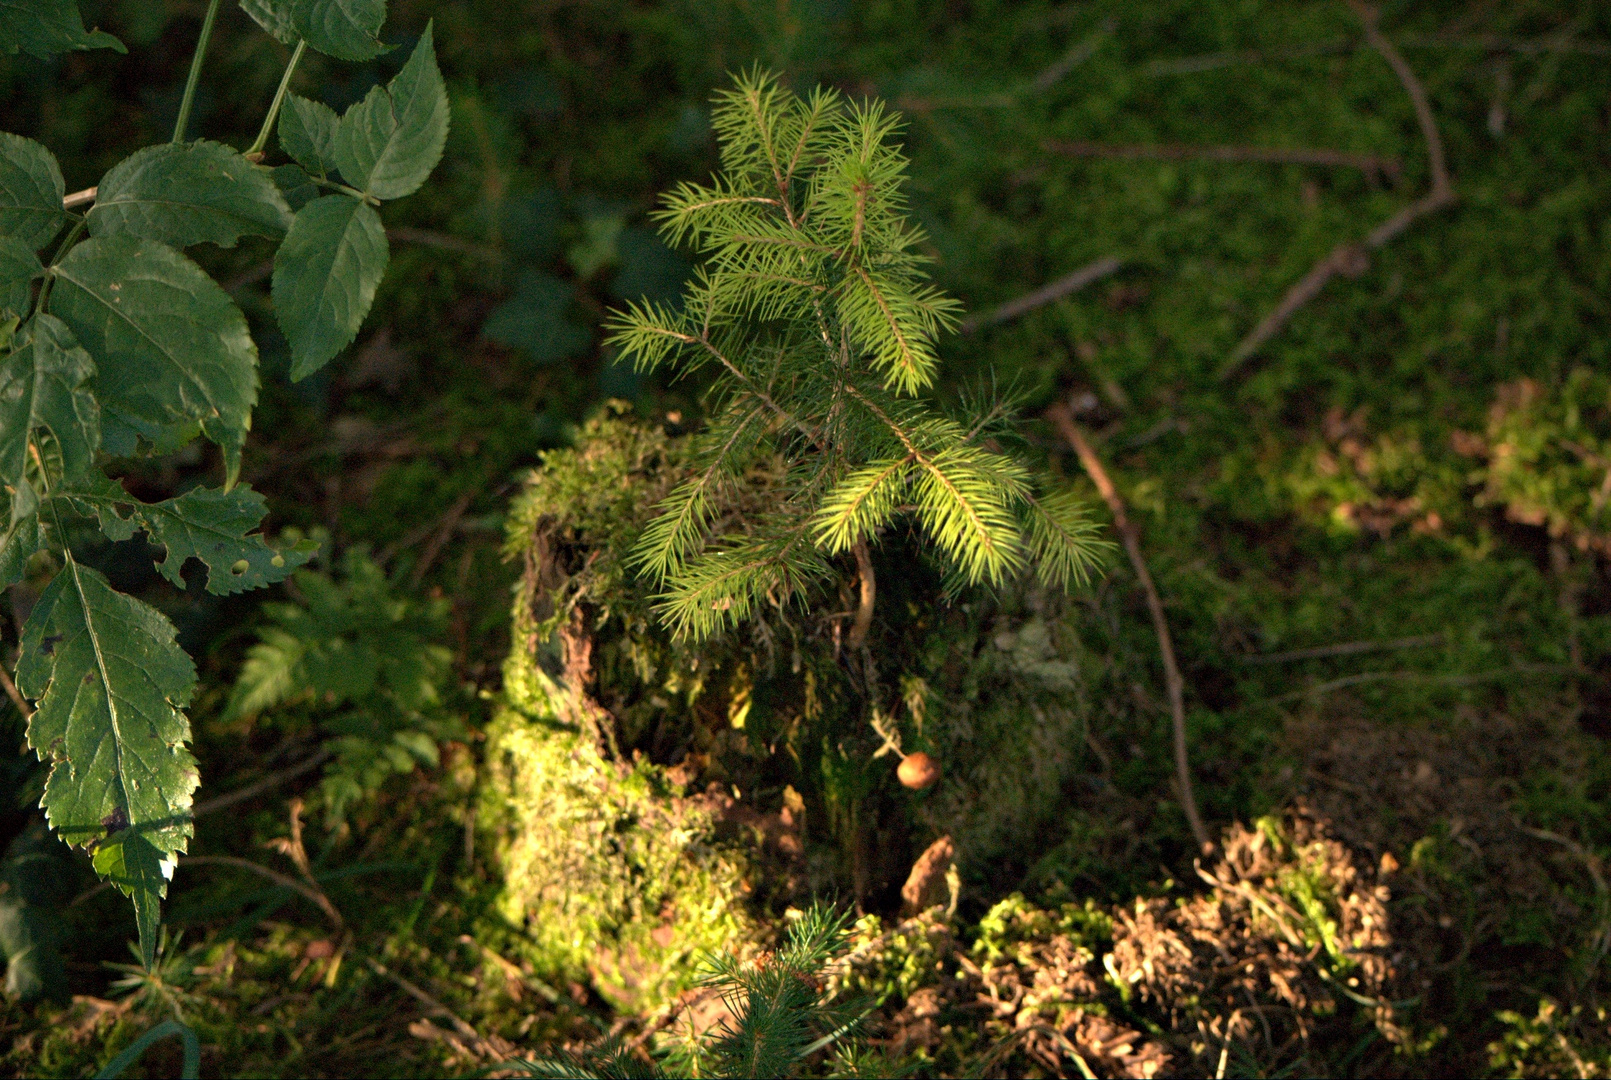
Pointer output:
x,y
483,1046
1365,677
1348,648
1055,290
1351,258
444,242
318,898
258,787
1128,533
1549,43
1370,164
439,538
1080,52
1043,81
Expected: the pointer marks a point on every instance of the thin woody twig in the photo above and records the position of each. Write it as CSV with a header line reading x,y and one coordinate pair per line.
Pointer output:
x,y
1366,163
444,531
1351,258
1046,294
258,787
1364,678
15,695
444,241
436,1008
318,898
1064,419
1548,43
79,198
869,594
1348,648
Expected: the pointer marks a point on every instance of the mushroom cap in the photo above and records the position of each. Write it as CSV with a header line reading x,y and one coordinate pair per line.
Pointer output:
x,y
918,770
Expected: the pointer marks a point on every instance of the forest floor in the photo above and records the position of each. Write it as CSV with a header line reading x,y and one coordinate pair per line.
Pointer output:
x,y
1377,523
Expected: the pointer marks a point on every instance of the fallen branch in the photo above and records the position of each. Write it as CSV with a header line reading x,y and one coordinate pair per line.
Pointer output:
x,y
1349,648
1080,52
1352,258
1056,290
1369,164
1064,419
444,241
668,1016
257,788
1549,43
464,1030
1366,677
318,898
443,532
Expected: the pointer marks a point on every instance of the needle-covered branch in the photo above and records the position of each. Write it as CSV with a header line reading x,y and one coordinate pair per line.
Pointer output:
x,y
813,315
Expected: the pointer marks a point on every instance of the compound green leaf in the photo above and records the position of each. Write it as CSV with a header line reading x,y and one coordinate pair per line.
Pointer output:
x,y
19,266
189,193
209,524
296,185
325,276
171,348
390,141
308,133
42,385
31,192
277,17
110,682
43,28
344,29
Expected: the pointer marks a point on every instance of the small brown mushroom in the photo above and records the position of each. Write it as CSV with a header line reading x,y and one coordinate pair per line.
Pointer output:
x,y
918,770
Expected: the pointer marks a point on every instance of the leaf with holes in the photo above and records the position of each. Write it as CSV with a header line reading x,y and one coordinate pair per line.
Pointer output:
x,y
43,28
19,266
42,387
172,349
189,193
390,141
209,524
344,29
325,276
110,682
31,192
308,132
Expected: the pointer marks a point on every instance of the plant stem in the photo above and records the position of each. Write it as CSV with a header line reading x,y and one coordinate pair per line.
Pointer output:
x,y
869,592
279,99
344,189
61,253
195,72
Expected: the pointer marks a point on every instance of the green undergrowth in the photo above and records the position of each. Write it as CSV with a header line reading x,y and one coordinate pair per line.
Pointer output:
x,y
1414,469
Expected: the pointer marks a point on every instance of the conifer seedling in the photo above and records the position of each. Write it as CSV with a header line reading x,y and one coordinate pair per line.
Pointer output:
x,y
813,313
